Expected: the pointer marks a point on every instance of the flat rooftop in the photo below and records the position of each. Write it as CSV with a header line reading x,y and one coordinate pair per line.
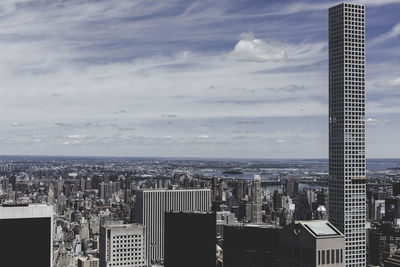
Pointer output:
x,y
321,228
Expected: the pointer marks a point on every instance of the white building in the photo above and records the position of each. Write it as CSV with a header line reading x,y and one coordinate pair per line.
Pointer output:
x,y
347,192
122,245
151,205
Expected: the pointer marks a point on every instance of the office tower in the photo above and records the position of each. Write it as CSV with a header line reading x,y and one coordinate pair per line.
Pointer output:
x,y
239,190
190,239
251,245
244,212
26,235
83,184
60,185
122,245
151,204
214,188
311,243
392,208
396,189
88,185
378,210
88,261
291,187
256,216
347,196
382,238
104,190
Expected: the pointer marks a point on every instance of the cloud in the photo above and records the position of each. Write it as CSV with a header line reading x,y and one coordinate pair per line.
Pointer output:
x,y
76,136
375,122
16,124
248,122
250,48
297,7
169,115
388,83
376,2
203,136
393,33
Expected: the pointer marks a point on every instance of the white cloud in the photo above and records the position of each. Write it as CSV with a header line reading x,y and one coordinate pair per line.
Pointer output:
x,y
375,122
250,48
388,83
393,33
76,136
16,124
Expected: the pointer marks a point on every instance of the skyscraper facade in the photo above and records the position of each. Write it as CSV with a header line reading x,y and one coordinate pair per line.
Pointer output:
x,y
256,216
122,245
150,208
347,195
190,239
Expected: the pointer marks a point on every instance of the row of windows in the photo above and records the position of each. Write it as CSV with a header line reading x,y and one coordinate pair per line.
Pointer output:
x,y
127,245
127,249
357,28
138,263
131,240
328,256
125,236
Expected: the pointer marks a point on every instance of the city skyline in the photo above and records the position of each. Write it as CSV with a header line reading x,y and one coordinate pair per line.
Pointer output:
x,y
184,79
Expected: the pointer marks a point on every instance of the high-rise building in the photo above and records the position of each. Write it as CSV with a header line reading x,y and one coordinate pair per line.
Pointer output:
x,y
291,187
396,189
347,195
392,208
251,245
122,245
26,235
104,190
150,208
256,216
190,239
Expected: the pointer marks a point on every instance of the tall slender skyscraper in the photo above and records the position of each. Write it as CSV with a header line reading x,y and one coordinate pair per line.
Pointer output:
x,y
256,204
347,196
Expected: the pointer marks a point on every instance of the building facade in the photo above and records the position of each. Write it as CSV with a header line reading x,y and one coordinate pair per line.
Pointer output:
x,y
254,245
150,208
311,244
190,239
26,235
347,191
122,245
256,216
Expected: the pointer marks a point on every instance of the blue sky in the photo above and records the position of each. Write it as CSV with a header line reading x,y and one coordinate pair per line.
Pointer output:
x,y
184,78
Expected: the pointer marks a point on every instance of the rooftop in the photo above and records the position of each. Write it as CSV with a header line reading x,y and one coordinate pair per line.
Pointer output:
x,y
320,228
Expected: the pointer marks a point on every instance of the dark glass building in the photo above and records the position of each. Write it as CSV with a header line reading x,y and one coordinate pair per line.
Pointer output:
x,y
251,246
190,239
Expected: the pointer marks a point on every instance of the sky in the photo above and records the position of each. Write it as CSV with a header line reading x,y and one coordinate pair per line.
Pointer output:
x,y
240,79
